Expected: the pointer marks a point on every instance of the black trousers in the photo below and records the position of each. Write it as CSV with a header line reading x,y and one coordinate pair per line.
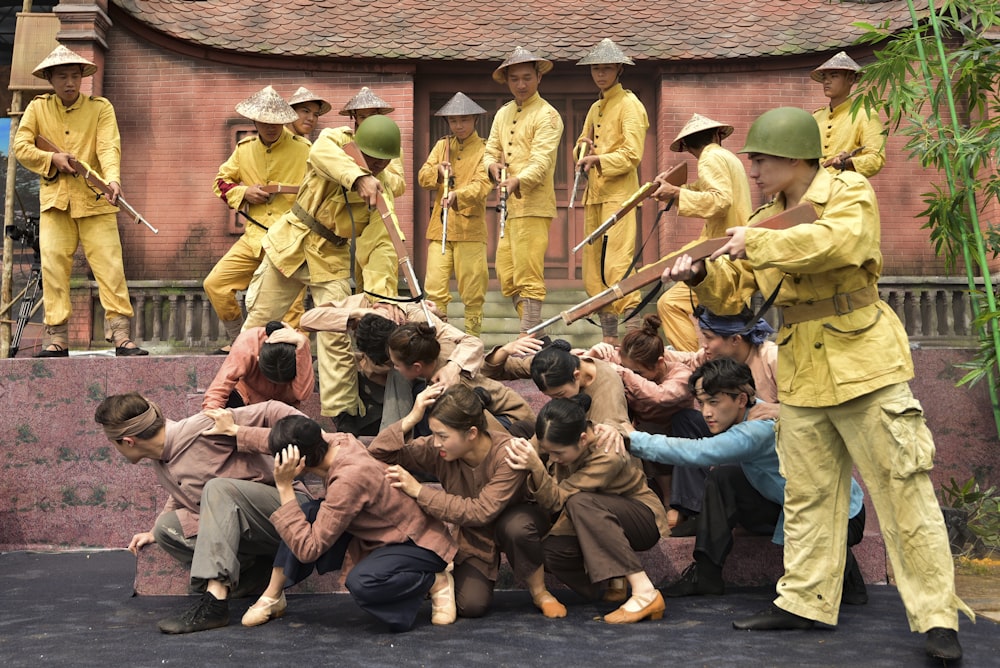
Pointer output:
x,y
390,583
687,484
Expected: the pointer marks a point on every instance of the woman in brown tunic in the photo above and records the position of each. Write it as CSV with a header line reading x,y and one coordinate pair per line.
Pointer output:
x,y
592,511
469,460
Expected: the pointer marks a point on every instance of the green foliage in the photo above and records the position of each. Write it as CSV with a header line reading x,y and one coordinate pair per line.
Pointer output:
x,y
938,90
982,506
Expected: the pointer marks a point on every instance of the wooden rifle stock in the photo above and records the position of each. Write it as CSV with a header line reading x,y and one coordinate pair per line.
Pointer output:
x,y
280,189
409,274
448,183
94,179
676,176
797,215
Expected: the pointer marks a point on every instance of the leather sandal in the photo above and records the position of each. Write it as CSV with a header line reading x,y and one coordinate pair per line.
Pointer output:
x,y
58,351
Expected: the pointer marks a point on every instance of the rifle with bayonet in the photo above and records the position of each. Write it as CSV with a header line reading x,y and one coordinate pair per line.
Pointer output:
x,y
389,220
449,183
581,173
502,202
676,176
797,215
95,181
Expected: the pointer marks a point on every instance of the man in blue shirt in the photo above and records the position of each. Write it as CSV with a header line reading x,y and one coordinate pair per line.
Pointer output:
x,y
744,486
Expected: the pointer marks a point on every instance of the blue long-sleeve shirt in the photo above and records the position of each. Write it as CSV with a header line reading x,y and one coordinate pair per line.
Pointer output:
x,y
749,443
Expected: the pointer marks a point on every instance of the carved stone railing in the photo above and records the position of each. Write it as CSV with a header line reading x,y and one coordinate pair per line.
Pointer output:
x,y
936,311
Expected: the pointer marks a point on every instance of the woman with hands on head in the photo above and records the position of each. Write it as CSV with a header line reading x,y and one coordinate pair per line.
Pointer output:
x,y
592,510
399,554
477,484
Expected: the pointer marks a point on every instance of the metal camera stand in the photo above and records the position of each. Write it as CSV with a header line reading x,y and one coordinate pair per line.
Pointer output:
x,y
28,235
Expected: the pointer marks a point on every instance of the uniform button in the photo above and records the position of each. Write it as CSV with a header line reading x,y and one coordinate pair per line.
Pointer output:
x,y
514,123
817,345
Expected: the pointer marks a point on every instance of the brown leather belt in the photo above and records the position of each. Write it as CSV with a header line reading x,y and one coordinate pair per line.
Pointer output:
x,y
841,303
279,189
316,226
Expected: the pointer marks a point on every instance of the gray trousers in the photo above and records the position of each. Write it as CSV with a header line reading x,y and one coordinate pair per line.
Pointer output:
x,y
234,528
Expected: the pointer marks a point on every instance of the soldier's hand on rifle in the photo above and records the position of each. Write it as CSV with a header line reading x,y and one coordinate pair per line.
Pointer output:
x,y
736,247
495,172
451,201
444,171
61,161
368,188
513,185
684,269
666,192
839,161
588,162
116,192
256,195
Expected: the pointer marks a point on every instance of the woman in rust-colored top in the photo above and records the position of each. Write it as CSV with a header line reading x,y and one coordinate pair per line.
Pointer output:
x,y
469,459
592,511
399,554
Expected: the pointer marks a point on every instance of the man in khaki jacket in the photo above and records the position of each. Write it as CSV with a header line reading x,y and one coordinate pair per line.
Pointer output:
x,y
85,127
615,132
524,137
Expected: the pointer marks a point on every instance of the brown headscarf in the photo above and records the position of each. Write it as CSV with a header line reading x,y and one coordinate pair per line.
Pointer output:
x,y
134,426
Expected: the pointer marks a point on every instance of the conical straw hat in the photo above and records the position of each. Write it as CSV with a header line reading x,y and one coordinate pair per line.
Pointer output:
x,y
63,56
841,61
697,124
366,99
605,53
303,94
266,106
460,105
520,55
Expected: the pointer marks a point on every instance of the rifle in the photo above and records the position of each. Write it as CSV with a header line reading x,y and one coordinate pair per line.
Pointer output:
x,y
94,180
580,173
502,202
449,182
797,215
389,220
676,176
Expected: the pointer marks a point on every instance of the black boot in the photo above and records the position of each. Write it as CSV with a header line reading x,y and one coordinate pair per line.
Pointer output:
x,y
699,579
943,644
208,613
774,619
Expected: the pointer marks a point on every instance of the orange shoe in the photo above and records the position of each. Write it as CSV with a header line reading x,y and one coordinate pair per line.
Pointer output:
x,y
653,610
549,606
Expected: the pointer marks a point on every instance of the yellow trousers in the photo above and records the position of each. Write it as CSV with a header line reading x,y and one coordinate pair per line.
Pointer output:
x,y
884,434
520,261
273,294
677,317
467,259
617,258
59,236
232,273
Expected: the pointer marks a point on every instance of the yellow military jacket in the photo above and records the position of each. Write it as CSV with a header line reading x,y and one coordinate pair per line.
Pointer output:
x,y
253,163
827,361
89,130
720,195
617,124
840,132
528,138
395,178
467,222
330,173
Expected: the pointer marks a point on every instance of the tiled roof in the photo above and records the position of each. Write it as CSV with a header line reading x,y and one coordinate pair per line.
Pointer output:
x,y
475,30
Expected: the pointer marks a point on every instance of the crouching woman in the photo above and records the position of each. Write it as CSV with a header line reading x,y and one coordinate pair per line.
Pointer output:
x,y
398,551
592,512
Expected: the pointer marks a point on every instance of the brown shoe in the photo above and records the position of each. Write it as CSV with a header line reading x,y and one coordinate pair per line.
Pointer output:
x,y
653,610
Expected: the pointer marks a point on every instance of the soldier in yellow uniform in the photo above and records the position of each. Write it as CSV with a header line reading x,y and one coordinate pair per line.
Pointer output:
x,y
251,181
86,128
366,103
843,370
525,136
720,195
309,107
857,143
615,131
464,249
311,246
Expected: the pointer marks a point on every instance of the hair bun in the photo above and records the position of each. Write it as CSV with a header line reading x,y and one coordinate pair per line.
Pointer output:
x,y
561,344
484,397
273,326
584,401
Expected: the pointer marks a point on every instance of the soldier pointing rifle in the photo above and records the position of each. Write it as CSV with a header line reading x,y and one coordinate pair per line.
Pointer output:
x,y
87,129
458,157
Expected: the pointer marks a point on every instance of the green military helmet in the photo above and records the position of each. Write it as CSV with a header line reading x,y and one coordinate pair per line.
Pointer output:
x,y
378,137
786,132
